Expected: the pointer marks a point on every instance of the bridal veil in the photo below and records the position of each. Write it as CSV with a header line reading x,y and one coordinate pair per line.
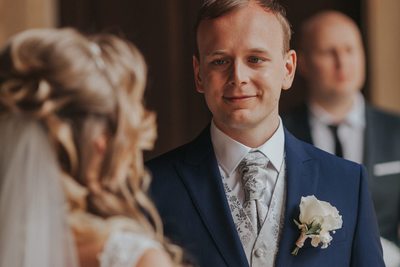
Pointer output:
x,y
34,229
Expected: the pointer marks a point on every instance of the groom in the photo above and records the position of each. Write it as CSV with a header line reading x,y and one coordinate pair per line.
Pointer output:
x,y
230,197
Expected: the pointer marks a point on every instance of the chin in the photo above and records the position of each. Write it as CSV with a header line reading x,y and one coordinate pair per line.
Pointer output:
x,y
240,124
240,117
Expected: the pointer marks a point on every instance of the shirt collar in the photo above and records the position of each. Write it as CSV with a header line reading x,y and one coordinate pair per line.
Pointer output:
x,y
230,153
354,118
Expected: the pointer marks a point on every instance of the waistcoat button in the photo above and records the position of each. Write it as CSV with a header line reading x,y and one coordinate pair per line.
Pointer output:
x,y
259,252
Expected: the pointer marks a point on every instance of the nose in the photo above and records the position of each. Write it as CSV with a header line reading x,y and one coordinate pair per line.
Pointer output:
x,y
238,74
340,59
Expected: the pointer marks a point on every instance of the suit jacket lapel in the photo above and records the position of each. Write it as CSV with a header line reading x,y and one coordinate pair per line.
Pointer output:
x,y
200,174
302,180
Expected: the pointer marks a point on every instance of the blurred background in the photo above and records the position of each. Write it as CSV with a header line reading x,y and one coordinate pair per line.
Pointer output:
x,y
163,30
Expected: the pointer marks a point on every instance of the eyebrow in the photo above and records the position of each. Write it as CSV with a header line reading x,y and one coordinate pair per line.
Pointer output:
x,y
216,53
252,50
259,51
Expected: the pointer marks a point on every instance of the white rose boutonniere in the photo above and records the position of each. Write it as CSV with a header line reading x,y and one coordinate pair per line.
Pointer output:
x,y
317,218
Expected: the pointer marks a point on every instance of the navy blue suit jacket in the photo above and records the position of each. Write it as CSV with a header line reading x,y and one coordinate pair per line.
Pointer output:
x,y
188,192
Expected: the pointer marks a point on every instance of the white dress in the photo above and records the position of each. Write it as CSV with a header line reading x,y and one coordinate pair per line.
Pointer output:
x,y
124,249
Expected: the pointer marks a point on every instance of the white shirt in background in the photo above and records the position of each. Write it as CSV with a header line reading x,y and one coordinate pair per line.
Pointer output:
x,y
350,131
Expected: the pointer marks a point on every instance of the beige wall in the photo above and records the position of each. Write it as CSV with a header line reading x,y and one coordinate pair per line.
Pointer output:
x,y
17,15
384,40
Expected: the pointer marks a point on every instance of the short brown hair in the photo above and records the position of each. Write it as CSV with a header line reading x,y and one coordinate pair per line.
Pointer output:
x,y
212,9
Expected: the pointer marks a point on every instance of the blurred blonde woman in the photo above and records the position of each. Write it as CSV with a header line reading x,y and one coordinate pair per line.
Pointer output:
x,y
72,131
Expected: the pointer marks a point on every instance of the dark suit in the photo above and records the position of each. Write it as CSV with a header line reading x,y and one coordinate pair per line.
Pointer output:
x,y
381,144
188,192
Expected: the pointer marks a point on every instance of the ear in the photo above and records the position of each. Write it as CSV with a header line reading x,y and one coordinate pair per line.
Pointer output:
x,y
290,69
197,78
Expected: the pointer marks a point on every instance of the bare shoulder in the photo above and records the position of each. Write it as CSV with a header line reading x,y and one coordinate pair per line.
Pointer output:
x,y
155,257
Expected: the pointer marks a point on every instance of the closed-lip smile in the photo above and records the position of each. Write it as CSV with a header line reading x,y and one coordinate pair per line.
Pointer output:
x,y
238,98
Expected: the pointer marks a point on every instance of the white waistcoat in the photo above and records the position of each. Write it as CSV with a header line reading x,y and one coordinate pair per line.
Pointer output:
x,y
261,250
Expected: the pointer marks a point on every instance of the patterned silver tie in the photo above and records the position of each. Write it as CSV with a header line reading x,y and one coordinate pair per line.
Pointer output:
x,y
253,169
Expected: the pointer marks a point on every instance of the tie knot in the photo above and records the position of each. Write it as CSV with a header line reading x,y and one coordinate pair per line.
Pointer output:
x,y
254,175
251,160
334,128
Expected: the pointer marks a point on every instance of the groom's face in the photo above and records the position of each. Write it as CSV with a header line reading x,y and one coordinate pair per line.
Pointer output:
x,y
242,67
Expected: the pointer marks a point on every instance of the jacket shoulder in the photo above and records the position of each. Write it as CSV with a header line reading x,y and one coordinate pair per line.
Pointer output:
x,y
168,157
190,152
382,116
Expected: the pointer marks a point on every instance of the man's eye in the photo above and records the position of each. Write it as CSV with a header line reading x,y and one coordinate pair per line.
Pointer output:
x,y
326,52
219,62
255,60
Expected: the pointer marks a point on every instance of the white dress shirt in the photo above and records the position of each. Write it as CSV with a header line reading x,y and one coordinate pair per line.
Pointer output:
x,y
350,131
230,153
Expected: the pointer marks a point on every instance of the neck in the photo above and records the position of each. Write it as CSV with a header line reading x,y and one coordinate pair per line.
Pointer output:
x,y
338,108
251,136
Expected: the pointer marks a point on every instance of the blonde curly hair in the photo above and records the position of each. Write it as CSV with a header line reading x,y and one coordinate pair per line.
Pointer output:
x,y
79,87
